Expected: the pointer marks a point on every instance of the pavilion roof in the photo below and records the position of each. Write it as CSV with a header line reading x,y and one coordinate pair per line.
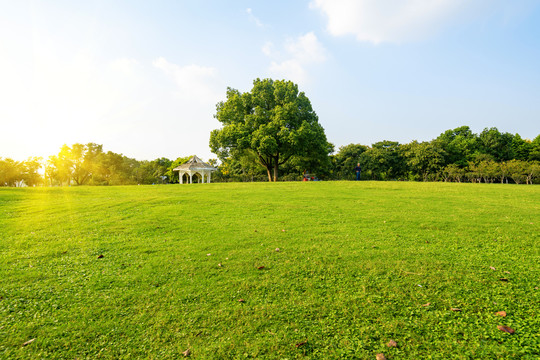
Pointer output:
x,y
194,164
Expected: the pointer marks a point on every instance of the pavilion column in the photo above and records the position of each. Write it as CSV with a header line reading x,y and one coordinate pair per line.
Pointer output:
x,y
202,175
181,175
209,175
190,178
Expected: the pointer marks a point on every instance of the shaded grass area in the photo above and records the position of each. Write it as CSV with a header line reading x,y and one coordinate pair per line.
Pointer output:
x,y
357,265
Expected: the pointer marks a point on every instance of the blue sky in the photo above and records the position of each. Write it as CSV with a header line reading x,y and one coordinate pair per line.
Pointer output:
x,y
143,77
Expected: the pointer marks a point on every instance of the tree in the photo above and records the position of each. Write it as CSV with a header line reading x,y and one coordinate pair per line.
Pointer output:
x,y
74,164
346,159
30,173
534,153
459,145
454,172
497,144
10,172
533,171
383,161
521,148
274,120
424,158
518,171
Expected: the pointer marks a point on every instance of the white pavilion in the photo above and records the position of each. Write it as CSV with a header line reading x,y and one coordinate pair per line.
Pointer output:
x,y
197,167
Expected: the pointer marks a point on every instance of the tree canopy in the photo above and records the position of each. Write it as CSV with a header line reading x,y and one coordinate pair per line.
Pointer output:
x,y
274,121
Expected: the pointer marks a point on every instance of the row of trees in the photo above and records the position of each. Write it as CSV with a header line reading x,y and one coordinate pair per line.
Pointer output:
x,y
456,155
87,164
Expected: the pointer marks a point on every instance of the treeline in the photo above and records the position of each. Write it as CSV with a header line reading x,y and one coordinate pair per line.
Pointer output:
x,y
87,164
456,155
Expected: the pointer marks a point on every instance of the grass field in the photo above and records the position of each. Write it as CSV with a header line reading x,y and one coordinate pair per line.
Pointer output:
x,y
151,271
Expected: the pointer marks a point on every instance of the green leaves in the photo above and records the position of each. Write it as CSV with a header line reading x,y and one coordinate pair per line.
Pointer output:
x,y
274,120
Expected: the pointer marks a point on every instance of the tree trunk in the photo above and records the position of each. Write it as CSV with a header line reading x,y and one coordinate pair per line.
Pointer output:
x,y
276,166
268,170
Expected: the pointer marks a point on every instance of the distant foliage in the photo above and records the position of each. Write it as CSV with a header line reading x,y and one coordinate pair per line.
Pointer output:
x,y
457,155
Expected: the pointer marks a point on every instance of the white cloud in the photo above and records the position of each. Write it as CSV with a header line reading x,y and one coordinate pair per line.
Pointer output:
x,y
195,82
268,49
300,54
397,21
253,18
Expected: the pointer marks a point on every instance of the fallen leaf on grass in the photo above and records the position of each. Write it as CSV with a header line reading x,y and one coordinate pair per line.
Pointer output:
x,y
219,265
392,343
504,279
208,254
187,353
28,342
283,230
380,357
277,250
426,304
455,309
492,268
506,329
301,343
507,272
101,256
501,313
241,300
260,268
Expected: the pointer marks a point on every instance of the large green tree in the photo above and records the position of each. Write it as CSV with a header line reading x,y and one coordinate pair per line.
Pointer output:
x,y
275,121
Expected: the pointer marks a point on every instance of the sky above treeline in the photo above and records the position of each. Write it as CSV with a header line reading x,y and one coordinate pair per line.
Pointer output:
x,y
143,77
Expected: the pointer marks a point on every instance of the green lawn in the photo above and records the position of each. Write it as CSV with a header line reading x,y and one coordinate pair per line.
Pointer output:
x,y
359,264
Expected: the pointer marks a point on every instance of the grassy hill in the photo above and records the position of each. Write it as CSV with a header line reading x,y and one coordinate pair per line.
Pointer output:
x,y
270,271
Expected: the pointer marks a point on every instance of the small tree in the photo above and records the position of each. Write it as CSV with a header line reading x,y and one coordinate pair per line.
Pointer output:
x,y
517,170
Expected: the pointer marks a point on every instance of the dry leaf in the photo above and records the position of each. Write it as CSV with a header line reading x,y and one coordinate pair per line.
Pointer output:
x,y
455,309
277,249
507,272
283,230
501,313
241,300
392,343
492,268
505,329
260,267
219,265
301,343
380,357
187,353
426,304
208,254
28,342
504,279
101,256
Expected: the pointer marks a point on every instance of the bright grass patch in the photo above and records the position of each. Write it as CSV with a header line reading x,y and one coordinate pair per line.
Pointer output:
x,y
152,271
